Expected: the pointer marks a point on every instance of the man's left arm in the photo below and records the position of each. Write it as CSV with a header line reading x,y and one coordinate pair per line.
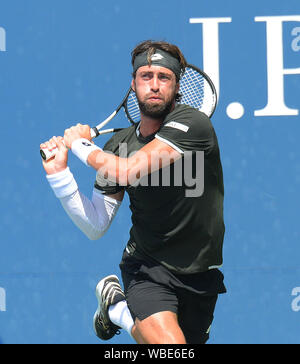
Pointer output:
x,y
124,171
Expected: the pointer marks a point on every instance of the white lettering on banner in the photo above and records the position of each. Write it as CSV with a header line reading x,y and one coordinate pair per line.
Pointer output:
x,y
2,299
296,41
276,104
210,33
2,40
296,301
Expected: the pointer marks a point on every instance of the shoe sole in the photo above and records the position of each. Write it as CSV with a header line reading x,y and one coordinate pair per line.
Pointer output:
x,y
98,292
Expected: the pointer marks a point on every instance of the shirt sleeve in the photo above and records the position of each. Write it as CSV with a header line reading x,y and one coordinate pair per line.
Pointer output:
x,y
187,129
92,217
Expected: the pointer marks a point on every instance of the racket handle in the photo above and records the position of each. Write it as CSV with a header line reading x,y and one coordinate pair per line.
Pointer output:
x,y
47,154
94,132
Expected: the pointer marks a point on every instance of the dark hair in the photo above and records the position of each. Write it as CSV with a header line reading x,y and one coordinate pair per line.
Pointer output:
x,y
150,46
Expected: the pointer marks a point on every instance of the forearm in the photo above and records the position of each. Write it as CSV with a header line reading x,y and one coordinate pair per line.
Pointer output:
x,y
123,171
110,166
92,217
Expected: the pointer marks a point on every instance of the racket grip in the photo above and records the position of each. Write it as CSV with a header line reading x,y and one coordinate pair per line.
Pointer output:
x,y
94,132
47,154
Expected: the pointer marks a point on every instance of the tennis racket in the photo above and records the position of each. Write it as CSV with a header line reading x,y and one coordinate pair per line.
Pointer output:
x,y
196,90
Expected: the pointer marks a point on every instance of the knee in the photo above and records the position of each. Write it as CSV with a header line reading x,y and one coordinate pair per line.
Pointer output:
x,y
155,335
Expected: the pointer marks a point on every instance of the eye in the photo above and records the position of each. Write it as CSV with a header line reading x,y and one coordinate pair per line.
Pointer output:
x,y
146,76
164,77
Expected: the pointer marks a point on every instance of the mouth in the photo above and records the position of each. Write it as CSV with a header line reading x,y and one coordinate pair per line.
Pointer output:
x,y
154,98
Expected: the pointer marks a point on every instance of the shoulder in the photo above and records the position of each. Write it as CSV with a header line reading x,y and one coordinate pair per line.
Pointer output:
x,y
188,129
189,119
185,111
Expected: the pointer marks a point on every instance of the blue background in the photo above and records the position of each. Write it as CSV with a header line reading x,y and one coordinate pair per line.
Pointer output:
x,y
68,61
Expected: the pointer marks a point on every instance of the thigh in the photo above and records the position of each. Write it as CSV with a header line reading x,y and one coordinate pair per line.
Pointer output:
x,y
146,298
146,295
159,328
153,307
195,316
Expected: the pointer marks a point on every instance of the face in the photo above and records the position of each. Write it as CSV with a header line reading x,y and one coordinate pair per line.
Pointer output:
x,y
155,88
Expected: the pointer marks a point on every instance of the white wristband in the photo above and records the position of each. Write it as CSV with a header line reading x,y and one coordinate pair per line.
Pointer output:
x,y
82,148
62,183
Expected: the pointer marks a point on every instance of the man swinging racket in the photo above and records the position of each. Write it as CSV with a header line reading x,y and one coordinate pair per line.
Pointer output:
x,y
170,264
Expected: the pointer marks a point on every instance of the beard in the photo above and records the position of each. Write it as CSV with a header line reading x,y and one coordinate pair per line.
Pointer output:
x,y
156,111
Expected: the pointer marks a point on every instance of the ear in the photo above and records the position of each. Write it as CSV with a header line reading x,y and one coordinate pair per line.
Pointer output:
x,y
133,84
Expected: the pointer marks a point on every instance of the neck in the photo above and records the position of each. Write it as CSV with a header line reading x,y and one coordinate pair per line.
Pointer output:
x,y
149,126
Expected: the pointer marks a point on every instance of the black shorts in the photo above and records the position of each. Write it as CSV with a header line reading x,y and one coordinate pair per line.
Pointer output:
x,y
151,288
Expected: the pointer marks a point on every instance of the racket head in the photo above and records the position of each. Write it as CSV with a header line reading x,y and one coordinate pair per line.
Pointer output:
x,y
131,107
196,89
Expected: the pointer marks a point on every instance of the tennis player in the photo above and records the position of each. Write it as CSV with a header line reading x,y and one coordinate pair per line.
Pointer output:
x,y
170,265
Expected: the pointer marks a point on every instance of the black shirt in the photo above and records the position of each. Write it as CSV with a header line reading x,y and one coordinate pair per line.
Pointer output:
x,y
176,225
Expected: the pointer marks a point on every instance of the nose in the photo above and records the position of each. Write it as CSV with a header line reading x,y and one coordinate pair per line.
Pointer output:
x,y
155,84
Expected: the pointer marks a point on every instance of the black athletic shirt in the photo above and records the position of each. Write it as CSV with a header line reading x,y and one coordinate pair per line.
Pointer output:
x,y
184,234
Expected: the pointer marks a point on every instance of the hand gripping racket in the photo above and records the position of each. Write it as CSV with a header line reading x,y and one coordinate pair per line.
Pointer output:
x,y
196,90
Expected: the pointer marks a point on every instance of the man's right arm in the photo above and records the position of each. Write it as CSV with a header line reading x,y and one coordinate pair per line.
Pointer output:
x,y
93,217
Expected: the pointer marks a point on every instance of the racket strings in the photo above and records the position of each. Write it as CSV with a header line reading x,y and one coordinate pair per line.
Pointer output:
x,y
192,89
132,107
197,92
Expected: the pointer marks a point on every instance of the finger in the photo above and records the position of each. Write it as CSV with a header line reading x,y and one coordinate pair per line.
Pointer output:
x,y
60,143
87,129
46,145
52,143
